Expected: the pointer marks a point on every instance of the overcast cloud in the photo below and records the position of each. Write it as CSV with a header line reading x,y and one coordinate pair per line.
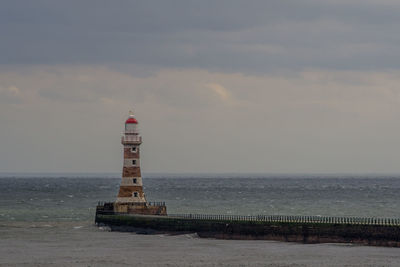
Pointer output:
x,y
245,36
218,86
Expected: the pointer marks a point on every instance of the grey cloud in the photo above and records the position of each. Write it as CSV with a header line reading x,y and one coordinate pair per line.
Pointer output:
x,y
310,121
214,35
10,95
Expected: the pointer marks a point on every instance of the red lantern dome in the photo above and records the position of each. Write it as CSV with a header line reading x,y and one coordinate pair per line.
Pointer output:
x,y
131,119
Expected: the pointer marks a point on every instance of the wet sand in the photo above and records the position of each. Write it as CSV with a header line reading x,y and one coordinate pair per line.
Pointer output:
x,y
83,244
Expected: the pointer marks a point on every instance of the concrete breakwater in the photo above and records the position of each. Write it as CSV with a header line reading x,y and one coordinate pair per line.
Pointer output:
x,y
305,229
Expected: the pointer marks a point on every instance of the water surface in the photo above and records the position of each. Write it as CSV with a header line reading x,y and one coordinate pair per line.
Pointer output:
x,y
47,220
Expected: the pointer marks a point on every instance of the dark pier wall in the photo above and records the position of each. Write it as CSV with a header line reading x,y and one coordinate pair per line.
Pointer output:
x,y
377,235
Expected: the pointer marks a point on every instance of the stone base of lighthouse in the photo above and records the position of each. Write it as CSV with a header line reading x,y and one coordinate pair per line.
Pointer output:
x,y
140,208
148,208
131,198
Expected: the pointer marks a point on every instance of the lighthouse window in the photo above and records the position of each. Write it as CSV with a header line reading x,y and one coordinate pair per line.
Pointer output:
x,y
135,194
133,149
134,162
134,180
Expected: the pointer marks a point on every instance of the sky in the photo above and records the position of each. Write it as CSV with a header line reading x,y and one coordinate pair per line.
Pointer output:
x,y
300,86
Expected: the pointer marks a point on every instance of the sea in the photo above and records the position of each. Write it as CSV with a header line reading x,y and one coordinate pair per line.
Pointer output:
x,y
48,219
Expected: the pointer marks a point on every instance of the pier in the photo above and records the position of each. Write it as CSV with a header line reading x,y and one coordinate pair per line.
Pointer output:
x,y
304,229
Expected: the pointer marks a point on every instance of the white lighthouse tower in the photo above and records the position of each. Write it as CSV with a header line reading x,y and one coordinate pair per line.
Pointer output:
x,y
131,198
131,188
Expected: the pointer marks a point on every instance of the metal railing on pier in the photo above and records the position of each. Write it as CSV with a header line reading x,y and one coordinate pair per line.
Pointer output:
x,y
293,219
110,204
156,204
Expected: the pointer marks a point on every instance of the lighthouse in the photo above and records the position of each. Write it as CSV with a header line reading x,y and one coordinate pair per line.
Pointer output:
x,y
131,188
131,198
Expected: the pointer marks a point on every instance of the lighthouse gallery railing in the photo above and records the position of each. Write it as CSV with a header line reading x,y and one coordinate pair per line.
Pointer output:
x,y
131,138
